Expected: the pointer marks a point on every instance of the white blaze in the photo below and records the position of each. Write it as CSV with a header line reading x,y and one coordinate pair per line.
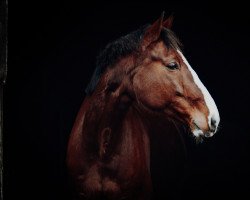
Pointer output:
x,y
213,111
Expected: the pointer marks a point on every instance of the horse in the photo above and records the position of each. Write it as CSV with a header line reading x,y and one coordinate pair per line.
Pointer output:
x,y
142,87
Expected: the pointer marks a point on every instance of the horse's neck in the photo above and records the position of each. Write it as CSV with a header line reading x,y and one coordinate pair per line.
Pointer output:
x,y
105,124
101,120
135,137
120,131
107,139
103,129
121,142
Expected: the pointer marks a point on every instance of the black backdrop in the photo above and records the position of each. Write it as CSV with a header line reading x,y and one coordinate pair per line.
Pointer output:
x,y
52,50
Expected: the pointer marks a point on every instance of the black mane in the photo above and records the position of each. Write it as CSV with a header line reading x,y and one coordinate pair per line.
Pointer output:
x,y
122,47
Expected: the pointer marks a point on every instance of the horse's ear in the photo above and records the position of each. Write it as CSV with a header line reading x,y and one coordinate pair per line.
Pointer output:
x,y
152,33
168,22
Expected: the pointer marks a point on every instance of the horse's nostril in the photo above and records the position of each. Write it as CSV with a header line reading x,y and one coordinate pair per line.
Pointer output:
x,y
213,125
213,122
212,129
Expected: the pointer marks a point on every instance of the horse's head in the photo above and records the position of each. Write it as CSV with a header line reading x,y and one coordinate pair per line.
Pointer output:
x,y
149,67
164,81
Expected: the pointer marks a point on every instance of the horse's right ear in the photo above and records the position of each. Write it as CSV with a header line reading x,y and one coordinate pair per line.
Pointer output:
x,y
152,33
168,22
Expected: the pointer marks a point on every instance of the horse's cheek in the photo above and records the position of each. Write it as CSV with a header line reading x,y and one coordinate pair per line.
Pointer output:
x,y
148,90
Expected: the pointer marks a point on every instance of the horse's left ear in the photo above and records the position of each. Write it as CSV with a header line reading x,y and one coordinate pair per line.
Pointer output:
x,y
152,33
168,22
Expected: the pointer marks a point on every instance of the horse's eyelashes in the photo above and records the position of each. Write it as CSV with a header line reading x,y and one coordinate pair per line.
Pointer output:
x,y
173,65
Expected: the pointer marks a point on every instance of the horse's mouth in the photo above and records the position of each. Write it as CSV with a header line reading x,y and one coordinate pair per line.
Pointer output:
x,y
199,133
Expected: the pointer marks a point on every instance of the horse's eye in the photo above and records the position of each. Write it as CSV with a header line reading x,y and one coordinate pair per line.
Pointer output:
x,y
173,65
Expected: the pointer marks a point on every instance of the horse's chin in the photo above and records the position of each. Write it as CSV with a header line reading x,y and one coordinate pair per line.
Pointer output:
x,y
200,134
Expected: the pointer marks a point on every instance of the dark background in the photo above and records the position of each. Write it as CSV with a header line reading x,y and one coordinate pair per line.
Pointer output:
x,y
52,50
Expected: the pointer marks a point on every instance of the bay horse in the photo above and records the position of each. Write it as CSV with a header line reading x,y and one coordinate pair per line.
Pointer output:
x,y
142,85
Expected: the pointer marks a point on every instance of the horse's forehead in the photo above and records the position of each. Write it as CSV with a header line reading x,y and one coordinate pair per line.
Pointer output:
x,y
160,50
